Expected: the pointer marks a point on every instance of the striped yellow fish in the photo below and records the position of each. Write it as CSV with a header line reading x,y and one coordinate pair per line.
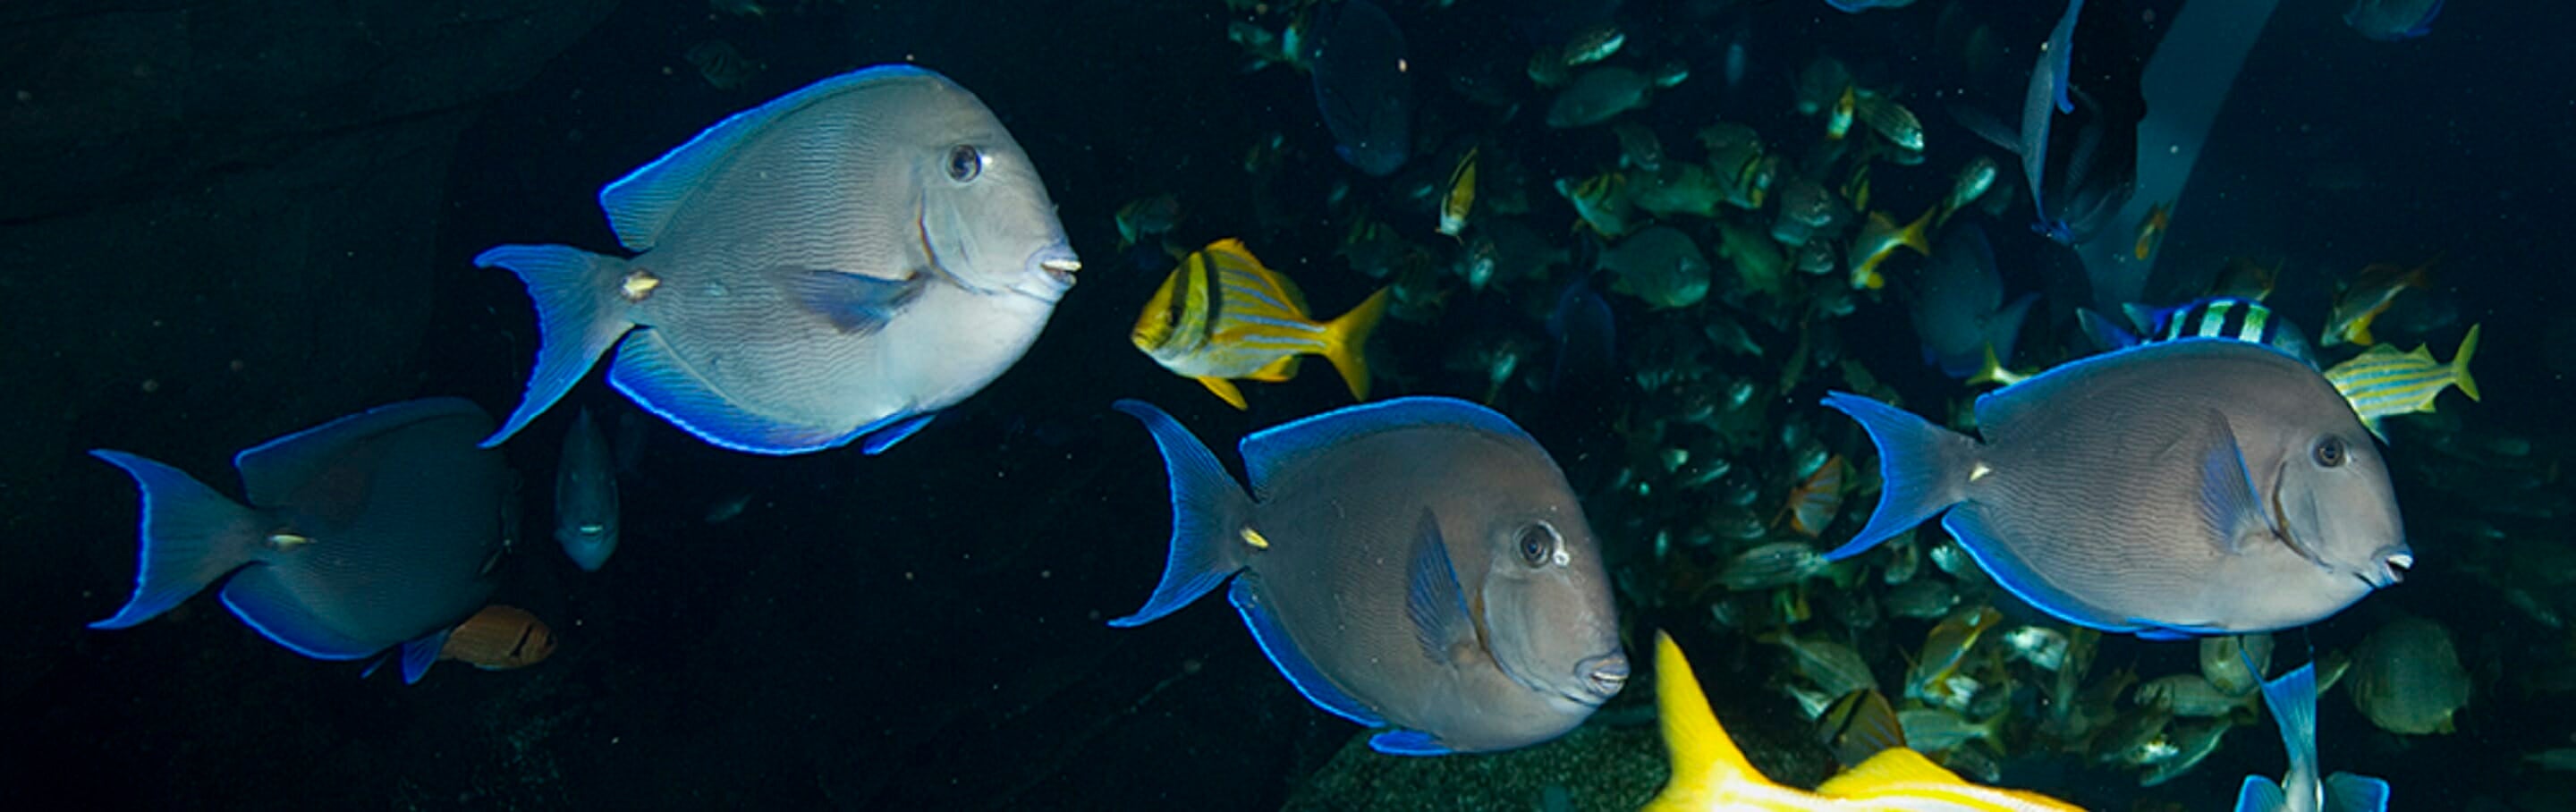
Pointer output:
x,y
1221,316
1710,773
1462,196
2385,382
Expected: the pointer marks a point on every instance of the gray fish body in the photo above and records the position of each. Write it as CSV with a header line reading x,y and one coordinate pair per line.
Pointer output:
x,y
586,495
1363,87
844,261
1959,308
2171,489
368,532
1335,560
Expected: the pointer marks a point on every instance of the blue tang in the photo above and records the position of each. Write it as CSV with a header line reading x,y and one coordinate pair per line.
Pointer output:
x,y
368,532
1364,86
1417,564
840,263
2293,702
586,495
2196,486
1959,309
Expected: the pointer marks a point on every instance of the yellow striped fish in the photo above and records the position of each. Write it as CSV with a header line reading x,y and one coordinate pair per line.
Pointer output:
x,y
1221,316
2385,382
1462,196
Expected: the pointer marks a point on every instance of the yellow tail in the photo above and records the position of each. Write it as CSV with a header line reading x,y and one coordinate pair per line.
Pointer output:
x,y
1706,764
1346,342
1913,236
2460,363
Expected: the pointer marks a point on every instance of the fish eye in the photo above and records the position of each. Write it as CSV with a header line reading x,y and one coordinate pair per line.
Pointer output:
x,y
965,162
2330,452
1538,544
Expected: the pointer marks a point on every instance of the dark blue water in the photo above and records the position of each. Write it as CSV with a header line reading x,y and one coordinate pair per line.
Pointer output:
x,y
223,222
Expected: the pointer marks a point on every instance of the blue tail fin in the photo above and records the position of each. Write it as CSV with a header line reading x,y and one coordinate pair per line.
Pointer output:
x,y
191,537
2346,792
2259,794
1209,511
1923,468
581,306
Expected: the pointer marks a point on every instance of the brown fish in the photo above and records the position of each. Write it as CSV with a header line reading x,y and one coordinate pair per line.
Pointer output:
x,y
499,638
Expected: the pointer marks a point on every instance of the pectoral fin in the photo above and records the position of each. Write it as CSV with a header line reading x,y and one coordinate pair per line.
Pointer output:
x,y
2230,509
856,305
1433,600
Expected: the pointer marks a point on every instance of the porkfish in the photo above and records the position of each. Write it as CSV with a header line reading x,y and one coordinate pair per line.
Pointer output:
x,y
2197,486
1418,564
369,532
840,263
1222,316
1709,773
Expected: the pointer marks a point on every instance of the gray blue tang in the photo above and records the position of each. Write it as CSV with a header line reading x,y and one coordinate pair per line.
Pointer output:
x,y
2197,486
361,534
1417,563
1363,86
586,495
1959,308
840,263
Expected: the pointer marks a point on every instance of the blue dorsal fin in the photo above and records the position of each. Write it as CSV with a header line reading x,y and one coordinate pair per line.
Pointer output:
x,y
651,375
2346,792
2105,334
1279,447
2293,701
273,470
1283,653
273,609
1978,538
640,204
2259,794
854,304
1407,743
420,653
883,434
1433,599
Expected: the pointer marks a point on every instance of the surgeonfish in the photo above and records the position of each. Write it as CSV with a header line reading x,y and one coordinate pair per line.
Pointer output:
x,y
1221,315
2190,487
1710,773
1418,564
840,263
2384,382
2293,701
586,495
499,638
369,532
2042,102
2393,20
1959,309
1363,85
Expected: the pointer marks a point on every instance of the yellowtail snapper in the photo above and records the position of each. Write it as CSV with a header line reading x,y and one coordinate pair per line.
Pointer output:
x,y
2385,382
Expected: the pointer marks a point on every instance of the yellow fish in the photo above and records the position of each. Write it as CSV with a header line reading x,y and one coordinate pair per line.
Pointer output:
x,y
1462,196
2384,382
2151,231
1222,316
1711,773
1880,237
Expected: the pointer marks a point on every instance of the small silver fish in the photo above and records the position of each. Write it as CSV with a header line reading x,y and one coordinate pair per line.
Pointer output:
x,y
586,496
1417,564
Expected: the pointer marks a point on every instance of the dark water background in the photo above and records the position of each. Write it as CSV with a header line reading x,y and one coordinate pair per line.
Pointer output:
x,y
922,630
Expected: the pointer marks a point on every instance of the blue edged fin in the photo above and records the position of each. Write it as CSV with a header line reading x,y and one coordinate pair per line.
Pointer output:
x,y
1283,653
267,606
581,311
274,471
2106,335
419,654
641,204
854,304
2229,508
1278,447
1407,743
1924,468
1432,599
2293,701
885,434
191,536
653,376
2346,792
1208,513
2259,794
1980,539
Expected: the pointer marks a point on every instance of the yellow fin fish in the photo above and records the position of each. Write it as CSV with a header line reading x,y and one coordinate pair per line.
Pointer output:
x,y
1993,372
1880,237
1462,196
2151,231
1710,773
1221,316
2385,382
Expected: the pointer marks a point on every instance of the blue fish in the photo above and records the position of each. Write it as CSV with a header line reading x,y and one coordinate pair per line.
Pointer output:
x,y
2293,702
1417,564
2197,486
2393,20
1959,309
838,264
365,533
1363,86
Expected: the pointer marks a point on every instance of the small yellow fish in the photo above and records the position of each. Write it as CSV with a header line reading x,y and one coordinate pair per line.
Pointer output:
x,y
1147,217
1594,44
1891,121
499,638
2384,382
2246,279
2151,231
1881,237
1859,725
2366,297
1944,648
1838,122
1462,196
1856,188
1600,201
1993,372
1813,504
1974,179
1710,773
1221,316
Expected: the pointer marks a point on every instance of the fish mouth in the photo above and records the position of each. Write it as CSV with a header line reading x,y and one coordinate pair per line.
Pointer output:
x,y
1600,678
1060,269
